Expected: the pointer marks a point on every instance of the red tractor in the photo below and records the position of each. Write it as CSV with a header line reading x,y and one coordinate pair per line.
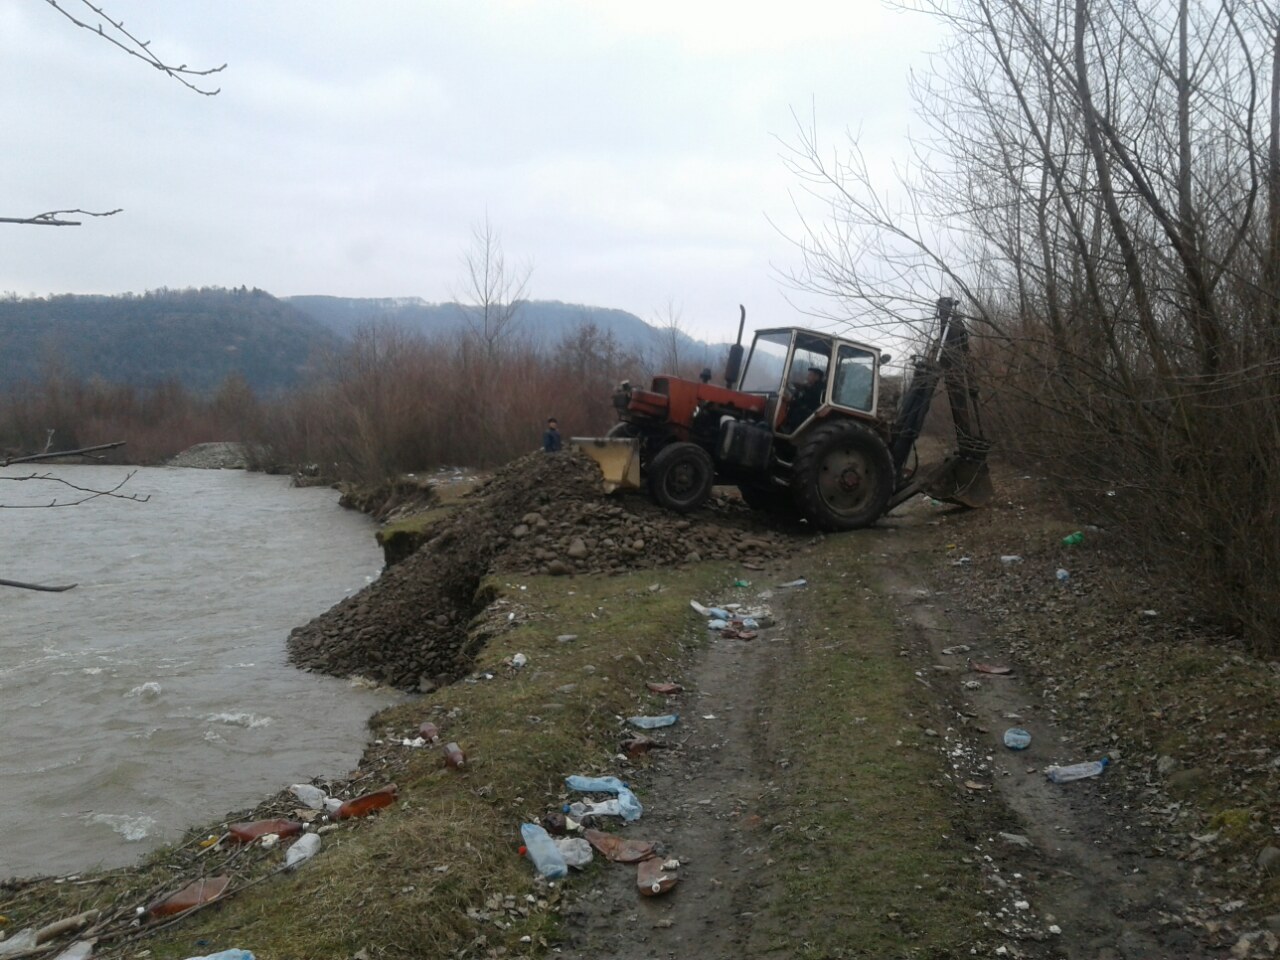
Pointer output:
x,y
796,429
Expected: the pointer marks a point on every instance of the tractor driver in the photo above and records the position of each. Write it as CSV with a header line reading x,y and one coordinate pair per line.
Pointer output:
x,y
805,399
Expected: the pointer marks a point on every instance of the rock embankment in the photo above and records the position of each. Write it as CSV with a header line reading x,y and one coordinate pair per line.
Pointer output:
x,y
212,456
538,515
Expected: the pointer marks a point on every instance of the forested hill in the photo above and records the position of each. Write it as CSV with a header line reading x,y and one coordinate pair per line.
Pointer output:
x,y
544,322
196,337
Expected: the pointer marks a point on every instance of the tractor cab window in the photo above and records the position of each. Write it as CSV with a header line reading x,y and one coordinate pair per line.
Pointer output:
x,y
854,383
766,364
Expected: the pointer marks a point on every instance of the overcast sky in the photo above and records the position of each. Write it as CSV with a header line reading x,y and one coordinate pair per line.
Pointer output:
x,y
629,151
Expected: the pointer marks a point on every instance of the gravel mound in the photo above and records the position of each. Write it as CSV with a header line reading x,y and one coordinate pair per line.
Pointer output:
x,y
212,456
538,515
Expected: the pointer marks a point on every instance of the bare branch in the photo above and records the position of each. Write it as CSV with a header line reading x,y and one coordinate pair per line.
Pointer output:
x,y
51,218
36,586
90,493
81,452
135,47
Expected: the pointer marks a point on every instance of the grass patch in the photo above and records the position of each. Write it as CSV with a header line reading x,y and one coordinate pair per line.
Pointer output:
x,y
871,845
438,873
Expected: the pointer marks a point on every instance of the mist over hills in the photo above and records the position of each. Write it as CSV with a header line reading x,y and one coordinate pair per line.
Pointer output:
x,y
199,337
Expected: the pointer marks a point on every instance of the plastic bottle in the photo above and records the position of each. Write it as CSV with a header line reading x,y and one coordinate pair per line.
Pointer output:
x,y
365,805
306,847
80,950
652,723
429,731
454,757
226,955
1015,738
249,832
192,895
542,850
313,797
1077,771
1073,539
629,807
20,942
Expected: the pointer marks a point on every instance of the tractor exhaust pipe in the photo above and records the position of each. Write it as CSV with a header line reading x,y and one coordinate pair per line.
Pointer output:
x,y
734,364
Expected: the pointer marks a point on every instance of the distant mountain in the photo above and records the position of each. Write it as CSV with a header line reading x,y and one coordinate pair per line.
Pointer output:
x,y
544,322
196,337
199,337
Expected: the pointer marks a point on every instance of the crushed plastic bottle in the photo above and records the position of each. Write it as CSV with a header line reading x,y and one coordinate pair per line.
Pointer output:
x,y
303,849
1009,558
1077,771
629,805
313,797
249,832
796,584
519,660
1073,539
1063,575
653,877
653,723
192,895
542,850
20,942
226,955
575,850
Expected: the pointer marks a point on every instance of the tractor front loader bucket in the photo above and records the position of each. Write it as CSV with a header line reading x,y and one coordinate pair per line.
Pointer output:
x,y
960,480
619,460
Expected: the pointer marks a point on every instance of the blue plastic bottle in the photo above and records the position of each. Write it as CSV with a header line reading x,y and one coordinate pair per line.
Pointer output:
x,y
542,850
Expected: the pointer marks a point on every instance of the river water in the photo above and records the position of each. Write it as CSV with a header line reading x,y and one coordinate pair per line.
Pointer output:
x,y
157,694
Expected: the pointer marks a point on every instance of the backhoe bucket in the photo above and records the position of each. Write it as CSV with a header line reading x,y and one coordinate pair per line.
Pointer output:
x,y
619,460
963,481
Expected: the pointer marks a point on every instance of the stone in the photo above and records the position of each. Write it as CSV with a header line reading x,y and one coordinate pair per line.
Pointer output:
x,y
693,556
520,530
558,568
1269,860
1166,766
1183,783
577,549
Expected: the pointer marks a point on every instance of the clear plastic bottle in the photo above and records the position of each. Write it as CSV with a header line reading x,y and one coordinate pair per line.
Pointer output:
x,y
303,849
542,850
1077,771
313,797
652,723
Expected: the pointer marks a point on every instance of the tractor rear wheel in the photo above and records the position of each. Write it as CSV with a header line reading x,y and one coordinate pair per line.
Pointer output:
x,y
681,476
843,476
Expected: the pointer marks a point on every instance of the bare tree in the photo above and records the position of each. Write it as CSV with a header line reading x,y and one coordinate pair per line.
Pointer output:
x,y
94,18
495,290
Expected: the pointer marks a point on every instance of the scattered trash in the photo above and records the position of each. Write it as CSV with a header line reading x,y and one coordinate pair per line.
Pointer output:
x,y
519,660
575,851
566,637
313,797
652,877
80,950
717,624
454,758
581,809
1073,539
972,685
992,668
1010,558
211,839
975,786
961,561
699,609
303,849
226,955
958,648
248,832
20,942
627,801
1077,771
192,895
1063,575
794,584
416,742
666,688
542,850
429,731
364,805
1015,738
653,723
615,848
742,583
1017,839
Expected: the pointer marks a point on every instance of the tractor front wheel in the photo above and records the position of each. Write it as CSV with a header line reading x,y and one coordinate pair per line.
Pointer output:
x,y
681,476
843,476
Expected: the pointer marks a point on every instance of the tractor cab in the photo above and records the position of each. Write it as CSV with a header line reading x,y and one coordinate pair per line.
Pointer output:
x,y
803,374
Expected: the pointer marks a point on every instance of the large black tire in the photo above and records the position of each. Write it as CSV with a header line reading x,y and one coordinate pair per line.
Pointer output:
x,y
773,500
843,476
681,476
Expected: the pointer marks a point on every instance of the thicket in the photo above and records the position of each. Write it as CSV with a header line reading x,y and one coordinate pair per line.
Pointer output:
x,y
1101,187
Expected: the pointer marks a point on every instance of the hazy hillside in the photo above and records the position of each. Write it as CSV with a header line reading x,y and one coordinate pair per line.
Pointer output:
x,y
545,322
196,337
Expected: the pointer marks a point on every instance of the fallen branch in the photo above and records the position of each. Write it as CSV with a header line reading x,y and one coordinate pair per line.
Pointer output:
x,y
35,586
79,452
51,218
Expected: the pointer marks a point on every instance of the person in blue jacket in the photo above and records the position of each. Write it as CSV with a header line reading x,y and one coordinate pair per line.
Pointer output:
x,y
551,439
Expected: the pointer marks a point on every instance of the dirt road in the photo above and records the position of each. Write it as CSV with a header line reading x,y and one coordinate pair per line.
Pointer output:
x,y
841,790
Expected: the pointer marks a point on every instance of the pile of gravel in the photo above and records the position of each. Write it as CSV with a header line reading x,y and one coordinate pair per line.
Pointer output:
x,y
540,514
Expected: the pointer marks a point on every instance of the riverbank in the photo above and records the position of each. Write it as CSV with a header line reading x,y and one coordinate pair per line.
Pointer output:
x,y
834,787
